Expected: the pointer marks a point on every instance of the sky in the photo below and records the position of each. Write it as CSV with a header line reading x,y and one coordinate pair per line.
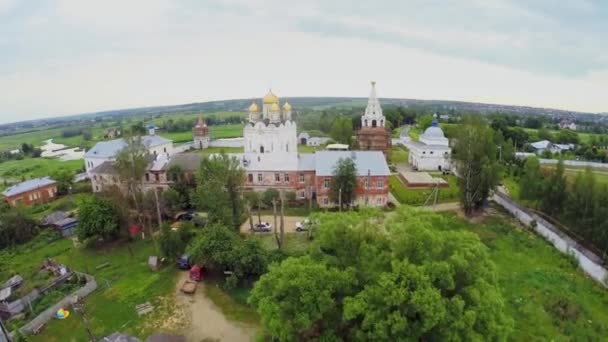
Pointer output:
x,y
65,57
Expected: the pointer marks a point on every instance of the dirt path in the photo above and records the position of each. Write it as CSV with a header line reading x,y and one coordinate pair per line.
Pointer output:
x,y
206,320
290,223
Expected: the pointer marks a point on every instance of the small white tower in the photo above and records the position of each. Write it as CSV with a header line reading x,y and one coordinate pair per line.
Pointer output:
x,y
373,116
151,129
287,111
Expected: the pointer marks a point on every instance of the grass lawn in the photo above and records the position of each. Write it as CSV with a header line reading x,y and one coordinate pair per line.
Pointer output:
x,y
398,155
410,196
36,138
226,131
126,282
547,296
233,303
37,167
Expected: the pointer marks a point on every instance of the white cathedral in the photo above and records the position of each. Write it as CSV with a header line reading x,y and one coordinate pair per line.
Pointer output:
x,y
432,150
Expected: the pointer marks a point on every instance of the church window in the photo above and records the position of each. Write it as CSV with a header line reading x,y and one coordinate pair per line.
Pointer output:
x,y
250,178
445,153
326,183
380,183
277,177
431,152
261,149
286,177
423,152
374,123
259,177
301,178
165,150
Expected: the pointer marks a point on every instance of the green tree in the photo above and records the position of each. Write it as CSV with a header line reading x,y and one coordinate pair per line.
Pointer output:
x,y
531,180
475,155
581,200
298,299
554,190
424,122
344,182
250,259
64,179
220,190
16,227
342,130
214,247
270,195
98,216
131,163
545,134
173,243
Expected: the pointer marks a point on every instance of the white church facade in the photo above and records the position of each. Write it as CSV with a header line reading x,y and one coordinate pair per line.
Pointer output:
x,y
432,151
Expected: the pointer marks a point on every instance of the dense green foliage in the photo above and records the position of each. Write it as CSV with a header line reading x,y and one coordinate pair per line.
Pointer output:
x,y
173,243
582,203
219,190
98,217
219,248
342,130
475,155
16,227
420,280
344,183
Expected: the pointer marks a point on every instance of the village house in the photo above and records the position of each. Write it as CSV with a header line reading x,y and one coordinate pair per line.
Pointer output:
x,y
567,124
33,191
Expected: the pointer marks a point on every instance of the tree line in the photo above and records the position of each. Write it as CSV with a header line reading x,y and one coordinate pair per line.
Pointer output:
x,y
582,204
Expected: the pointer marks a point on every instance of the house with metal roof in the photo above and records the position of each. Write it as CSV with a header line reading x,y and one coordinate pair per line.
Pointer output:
x,y
108,150
33,191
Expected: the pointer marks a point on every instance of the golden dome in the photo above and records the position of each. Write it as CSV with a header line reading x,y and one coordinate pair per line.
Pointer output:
x,y
270,98
287,107
253,107
274,107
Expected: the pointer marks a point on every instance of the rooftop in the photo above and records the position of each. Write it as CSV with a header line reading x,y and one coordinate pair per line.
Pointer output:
x,y
109,149
365,161
28,186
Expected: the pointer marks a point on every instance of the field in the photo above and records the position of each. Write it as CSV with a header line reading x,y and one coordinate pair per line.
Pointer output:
x,y
547,296
409,196
36,138
36,167
124,283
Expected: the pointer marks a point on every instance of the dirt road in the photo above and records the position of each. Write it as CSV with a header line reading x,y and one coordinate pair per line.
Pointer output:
x,y
206,320
290,223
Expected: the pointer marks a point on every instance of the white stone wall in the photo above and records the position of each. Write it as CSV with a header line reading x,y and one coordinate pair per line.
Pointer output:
x,y
273,138
431,160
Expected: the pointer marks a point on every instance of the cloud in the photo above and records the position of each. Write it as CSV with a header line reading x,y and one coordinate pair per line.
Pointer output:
x,y
70,57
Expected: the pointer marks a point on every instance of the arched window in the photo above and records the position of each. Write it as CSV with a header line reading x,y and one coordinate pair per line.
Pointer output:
x,y
261,149
374,123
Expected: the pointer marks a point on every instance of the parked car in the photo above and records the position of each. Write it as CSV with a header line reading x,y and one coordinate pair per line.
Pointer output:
x,y
186,216
196,273
183,263
303,225
262,227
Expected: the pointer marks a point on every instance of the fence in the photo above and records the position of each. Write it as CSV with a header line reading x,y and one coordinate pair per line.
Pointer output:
x,y
589,262
33,325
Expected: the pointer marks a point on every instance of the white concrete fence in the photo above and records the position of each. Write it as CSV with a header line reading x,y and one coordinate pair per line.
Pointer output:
x,y
589,262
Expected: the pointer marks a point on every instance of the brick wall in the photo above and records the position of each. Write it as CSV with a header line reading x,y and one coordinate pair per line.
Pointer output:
x,y
39,195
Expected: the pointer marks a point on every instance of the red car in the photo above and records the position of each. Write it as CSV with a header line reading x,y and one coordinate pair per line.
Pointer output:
x,y
196,273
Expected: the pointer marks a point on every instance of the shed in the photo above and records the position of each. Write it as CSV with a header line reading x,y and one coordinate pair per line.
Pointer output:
x,y
154,262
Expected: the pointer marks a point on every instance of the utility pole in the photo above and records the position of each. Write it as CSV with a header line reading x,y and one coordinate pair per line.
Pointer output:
x,y
340,199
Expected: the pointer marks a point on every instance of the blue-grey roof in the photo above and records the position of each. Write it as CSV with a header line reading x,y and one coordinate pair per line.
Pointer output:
x,y
365,161
306,162
109,149
27,186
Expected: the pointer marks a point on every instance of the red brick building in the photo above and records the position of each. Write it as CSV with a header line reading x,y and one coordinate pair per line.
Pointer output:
x,y
373,135
33,191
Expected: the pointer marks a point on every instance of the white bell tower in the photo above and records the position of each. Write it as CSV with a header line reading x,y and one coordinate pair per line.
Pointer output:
x,y
373,116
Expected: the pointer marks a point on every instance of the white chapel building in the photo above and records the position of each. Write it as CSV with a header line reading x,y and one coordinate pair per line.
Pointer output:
x,y
432,151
